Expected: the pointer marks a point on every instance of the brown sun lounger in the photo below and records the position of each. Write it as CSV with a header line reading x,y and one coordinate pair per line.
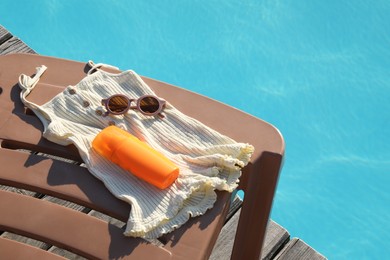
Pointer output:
x,y
28,161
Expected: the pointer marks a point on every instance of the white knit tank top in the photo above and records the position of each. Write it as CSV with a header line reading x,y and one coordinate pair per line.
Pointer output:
x,y
207,159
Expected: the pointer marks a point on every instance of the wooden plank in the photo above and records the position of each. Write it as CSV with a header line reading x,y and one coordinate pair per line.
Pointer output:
x,y
235,205
276,237
4,35
15,45
298,249
66,204
106,218
25,240
11,44
20,191
21,251
58,158
65,253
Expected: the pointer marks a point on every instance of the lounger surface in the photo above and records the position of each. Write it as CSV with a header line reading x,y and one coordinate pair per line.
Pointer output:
x,y
31,162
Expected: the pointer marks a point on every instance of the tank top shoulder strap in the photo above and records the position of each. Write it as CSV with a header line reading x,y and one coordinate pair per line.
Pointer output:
x,y
28,83
97,66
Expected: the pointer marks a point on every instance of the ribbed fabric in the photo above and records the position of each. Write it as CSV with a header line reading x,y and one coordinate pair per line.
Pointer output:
x,y
207,159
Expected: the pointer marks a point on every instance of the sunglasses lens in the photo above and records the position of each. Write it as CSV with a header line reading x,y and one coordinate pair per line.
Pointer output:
x,y
118,104
149,105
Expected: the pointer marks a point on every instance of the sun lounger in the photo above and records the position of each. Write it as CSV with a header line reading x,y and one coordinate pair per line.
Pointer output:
x,y
31,162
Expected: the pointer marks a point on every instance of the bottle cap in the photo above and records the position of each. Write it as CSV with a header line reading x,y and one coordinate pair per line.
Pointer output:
x,y
107,141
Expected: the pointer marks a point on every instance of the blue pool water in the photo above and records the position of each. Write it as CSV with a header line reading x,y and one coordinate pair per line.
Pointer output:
x,y
318,70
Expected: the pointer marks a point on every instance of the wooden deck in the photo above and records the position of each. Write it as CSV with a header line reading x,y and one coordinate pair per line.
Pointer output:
x,y
277,245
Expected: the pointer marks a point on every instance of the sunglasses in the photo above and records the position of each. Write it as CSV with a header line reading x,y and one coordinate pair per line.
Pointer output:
x,y
148,105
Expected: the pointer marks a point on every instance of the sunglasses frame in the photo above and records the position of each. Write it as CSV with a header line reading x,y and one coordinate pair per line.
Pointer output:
x,y
161,105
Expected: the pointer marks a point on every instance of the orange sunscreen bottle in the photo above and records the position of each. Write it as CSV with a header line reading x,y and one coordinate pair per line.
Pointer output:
x,y
139,158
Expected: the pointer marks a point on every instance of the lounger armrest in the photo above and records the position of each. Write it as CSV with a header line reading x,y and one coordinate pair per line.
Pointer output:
x,y
259,193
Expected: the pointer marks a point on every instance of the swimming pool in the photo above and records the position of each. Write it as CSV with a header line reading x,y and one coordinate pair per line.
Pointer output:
x,y
318,70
